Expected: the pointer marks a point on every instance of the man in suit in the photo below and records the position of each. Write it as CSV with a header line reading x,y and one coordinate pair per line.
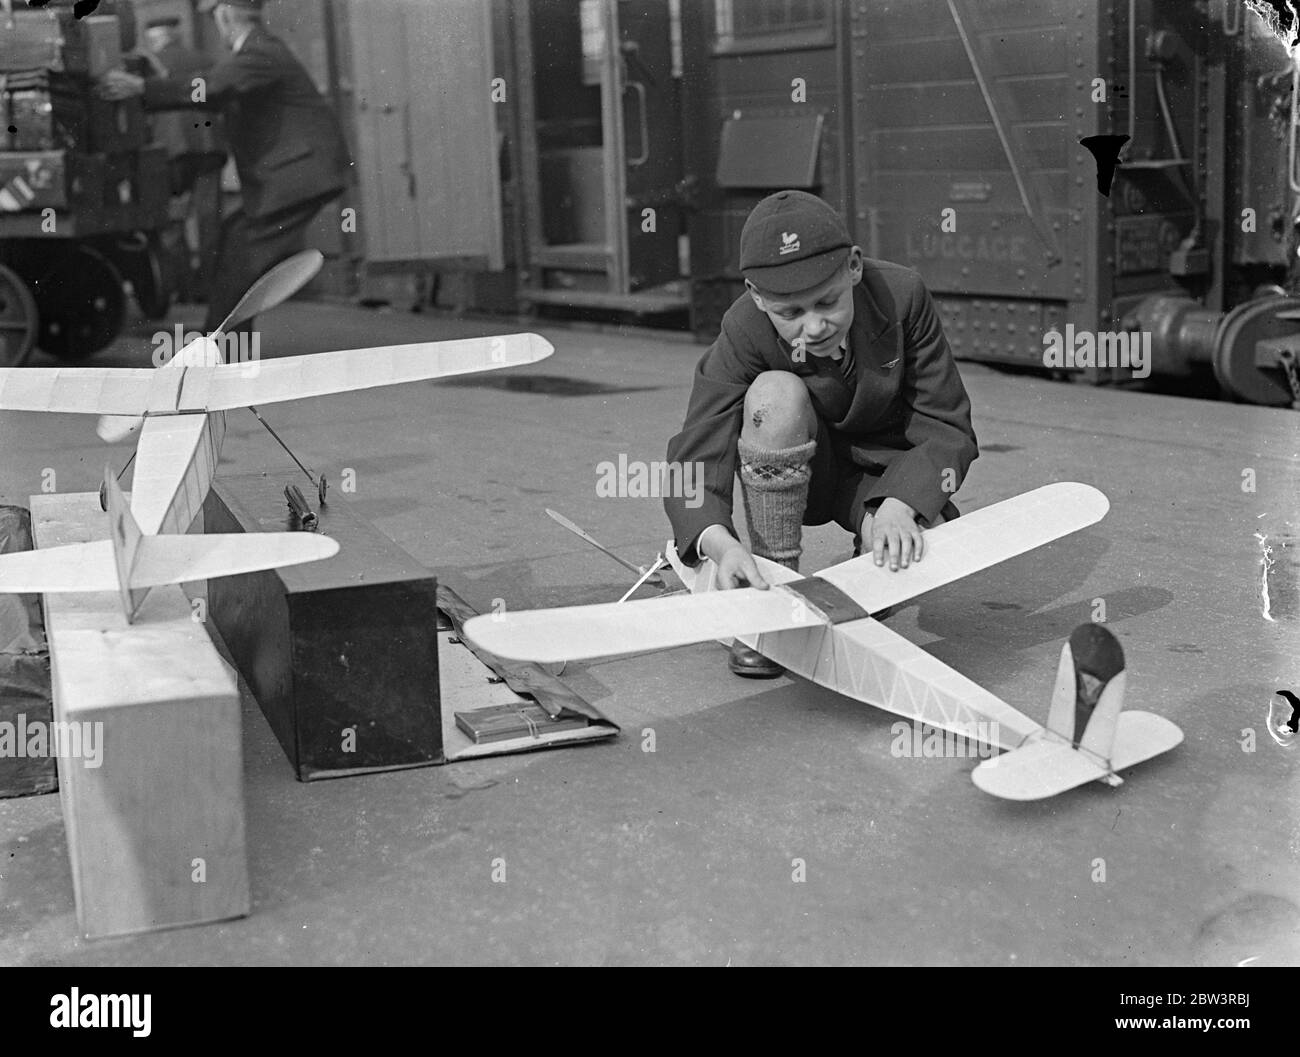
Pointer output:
x,y
287,144
832,391
196,154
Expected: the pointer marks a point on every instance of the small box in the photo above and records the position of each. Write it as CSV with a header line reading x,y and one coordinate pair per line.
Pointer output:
x,y
348,660
30,40
116,127
34,180
505,722
92,45
31,124
342,655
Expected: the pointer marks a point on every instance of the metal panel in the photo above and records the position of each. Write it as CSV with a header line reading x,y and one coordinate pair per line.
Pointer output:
x,y
966,114
746,157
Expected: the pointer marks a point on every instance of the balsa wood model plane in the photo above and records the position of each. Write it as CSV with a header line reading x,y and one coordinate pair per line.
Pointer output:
x,y
179,409
820,627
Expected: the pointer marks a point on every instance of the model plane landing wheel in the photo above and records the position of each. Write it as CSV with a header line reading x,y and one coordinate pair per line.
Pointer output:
x,y
19,319
80,299
1235,365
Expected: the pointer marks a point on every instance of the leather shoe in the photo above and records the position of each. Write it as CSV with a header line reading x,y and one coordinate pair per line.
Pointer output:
x,y
752,664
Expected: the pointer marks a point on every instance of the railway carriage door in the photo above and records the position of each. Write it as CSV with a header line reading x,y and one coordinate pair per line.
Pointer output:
x,y
652,162
600,146
427,149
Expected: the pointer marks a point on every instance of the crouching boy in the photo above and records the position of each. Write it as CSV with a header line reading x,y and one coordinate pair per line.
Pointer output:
x,y
832,391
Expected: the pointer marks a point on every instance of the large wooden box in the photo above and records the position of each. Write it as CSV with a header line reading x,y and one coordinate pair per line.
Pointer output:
x,y
153,787
342,655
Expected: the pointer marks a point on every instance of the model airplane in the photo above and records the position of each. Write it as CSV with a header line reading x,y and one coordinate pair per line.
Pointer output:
x,y
179,409
820,627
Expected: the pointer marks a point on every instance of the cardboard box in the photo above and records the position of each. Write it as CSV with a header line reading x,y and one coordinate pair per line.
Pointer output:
x,y
34,180
30,40
115,127
92,45
345,656
60,111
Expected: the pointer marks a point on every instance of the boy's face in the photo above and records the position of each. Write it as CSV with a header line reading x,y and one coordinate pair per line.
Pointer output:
x,y
819,318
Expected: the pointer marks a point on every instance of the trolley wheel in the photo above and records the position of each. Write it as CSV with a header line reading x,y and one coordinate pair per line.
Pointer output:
x,y
19,319
80,299
141,259
1234,351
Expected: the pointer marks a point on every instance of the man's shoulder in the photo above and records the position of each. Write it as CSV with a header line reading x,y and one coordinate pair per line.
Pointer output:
x,y
265,44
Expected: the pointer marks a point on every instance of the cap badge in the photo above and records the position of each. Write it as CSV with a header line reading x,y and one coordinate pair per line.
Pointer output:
x,y
789,242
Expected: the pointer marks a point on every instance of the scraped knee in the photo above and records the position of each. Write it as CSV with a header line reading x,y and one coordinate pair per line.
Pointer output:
x,y
778,411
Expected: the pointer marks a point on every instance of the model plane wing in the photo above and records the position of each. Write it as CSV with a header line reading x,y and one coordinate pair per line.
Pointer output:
x,y
1046,767
582,632
159,560
78,390
234,385
973,542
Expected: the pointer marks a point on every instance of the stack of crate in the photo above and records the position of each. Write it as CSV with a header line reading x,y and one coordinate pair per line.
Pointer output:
x,y
63,147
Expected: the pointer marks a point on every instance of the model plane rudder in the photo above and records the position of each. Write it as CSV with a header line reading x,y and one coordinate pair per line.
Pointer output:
x,y
1089,691
124,531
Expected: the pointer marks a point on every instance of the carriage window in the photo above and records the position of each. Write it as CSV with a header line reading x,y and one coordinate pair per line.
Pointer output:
x,y
759,25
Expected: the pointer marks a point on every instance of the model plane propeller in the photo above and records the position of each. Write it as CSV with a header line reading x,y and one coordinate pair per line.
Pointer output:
x,y
820,627
179,410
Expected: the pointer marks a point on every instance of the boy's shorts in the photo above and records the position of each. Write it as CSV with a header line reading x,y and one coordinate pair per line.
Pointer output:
x,y
839,486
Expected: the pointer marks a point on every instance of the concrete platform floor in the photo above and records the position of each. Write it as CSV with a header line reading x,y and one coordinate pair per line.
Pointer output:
x,y
685,855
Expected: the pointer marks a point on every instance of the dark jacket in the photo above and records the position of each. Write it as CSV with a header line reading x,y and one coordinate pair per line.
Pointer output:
x,y
186,133
286,140
907,420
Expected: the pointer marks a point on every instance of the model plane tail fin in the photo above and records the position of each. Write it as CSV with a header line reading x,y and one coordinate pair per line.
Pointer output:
x,y
125,534
1089,691
1088,735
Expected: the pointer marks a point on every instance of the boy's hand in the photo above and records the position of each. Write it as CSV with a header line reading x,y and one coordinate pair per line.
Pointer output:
x,y
894,529
736,566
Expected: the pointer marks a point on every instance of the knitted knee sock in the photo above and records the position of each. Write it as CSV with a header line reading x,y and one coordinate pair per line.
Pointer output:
x,y
774,483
